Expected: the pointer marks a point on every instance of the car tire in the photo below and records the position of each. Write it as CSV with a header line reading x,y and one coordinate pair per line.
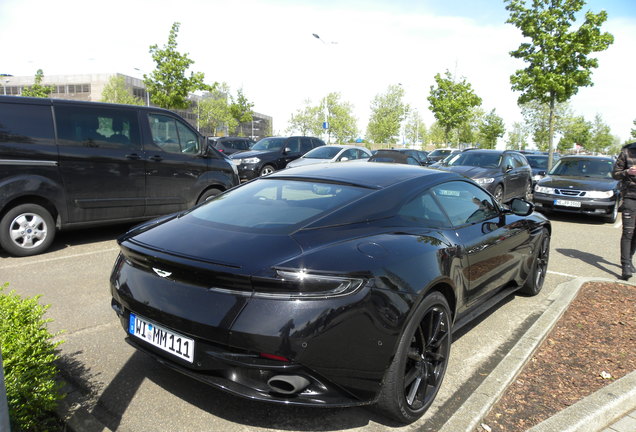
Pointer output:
x,y
266,170
418,367
208,194
27,229
611,218
539,268
498,193
528,194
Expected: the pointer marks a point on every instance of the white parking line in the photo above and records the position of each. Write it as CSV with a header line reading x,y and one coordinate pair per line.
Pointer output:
x,y
47,260
562,274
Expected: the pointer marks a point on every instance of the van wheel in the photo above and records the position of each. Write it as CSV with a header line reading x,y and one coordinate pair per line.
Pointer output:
x,y
418,367
208,194
27,229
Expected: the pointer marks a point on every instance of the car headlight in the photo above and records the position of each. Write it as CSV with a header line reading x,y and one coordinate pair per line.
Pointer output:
x,y
537,177
484,180
599,194
544,190
252,160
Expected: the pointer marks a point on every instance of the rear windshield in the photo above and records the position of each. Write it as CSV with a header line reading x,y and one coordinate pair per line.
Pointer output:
x,y
478,159
277,205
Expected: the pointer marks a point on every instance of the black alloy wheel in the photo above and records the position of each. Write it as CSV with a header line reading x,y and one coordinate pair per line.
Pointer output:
x,y
417,370
534,283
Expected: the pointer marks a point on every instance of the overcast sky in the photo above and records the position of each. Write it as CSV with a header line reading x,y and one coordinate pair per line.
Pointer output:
x,y
266,47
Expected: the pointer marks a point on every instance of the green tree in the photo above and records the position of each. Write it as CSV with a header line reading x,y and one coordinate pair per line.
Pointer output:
x,y
576,131
215,112
602,139
342,123
167,84
490,129
517,138
241,109
634,130
557,56
307,120
115,91
37,89
437,135
451,102
415,128
387,113
537,118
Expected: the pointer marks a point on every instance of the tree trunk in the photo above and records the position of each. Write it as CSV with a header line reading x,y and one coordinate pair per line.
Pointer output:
x,y
551,131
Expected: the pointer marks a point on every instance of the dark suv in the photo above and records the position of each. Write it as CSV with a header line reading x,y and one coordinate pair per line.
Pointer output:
x,y
272,154
231,144
505,174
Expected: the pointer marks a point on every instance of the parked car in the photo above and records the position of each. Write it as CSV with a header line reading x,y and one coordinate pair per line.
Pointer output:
x,y
439,154
353,303
69,164
505,174
229,145
419,155
272,154
539,163
394,156
580,184
331,153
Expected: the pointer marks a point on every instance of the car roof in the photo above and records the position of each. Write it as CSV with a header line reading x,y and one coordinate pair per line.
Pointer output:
x,y
365,174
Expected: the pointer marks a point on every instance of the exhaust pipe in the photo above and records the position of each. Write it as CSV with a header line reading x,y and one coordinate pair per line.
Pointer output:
x,y
288,384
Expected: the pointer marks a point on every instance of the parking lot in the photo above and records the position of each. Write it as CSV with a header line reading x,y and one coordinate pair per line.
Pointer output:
x,y
126,390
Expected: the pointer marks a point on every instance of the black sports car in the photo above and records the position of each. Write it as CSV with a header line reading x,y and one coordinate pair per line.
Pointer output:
x,y
326,285
580,184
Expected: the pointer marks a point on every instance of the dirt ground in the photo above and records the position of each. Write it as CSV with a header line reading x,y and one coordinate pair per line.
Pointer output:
x,y
592,345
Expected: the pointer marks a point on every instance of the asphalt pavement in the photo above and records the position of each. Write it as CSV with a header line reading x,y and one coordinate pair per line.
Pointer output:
x,y
113,387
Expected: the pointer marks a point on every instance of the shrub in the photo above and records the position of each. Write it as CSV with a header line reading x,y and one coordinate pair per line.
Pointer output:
x,y
28,356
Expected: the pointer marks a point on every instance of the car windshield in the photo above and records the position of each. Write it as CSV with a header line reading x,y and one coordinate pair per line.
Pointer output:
x,y
583,168
322,152
439,152
276,205
538,162
478,159
269,144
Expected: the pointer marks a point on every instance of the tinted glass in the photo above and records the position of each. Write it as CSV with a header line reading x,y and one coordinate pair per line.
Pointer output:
x,y
599,168
465,203
473,158
323,152
269,144
538,162
276,205
26,124
97,127
305,145
424,210
172,135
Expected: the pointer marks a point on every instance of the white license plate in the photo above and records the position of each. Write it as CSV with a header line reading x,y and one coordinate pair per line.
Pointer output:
x,y
566,203
162,338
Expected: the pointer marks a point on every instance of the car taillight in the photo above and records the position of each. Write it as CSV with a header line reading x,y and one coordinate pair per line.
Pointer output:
x,y
301,284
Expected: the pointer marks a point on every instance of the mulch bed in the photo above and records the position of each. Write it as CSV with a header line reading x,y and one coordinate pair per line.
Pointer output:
x,y
592,345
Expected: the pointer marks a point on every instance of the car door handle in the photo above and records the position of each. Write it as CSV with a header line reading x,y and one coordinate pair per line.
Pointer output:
x,y
133,156
156,158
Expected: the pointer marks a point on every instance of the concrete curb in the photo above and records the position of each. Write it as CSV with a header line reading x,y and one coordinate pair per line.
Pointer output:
x,y
76,417
477,406
596,411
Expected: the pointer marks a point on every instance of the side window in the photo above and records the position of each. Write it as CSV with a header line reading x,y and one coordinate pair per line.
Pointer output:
x,y
97,127
305,145
293,144
508,161
349,154
26,124
465,203
172,135
521,161
423,209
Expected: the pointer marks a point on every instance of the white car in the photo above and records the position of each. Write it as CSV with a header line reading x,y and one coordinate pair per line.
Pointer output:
x,y
331,153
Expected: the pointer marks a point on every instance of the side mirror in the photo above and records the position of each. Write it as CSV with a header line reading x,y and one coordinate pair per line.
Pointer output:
x,y
286,150
344,159
520,207
542,173
508,168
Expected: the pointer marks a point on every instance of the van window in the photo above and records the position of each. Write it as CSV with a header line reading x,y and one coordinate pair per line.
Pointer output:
x,y
26,124
172,135
97,127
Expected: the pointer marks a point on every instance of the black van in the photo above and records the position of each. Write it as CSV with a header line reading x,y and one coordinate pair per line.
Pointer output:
x,y
67,164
